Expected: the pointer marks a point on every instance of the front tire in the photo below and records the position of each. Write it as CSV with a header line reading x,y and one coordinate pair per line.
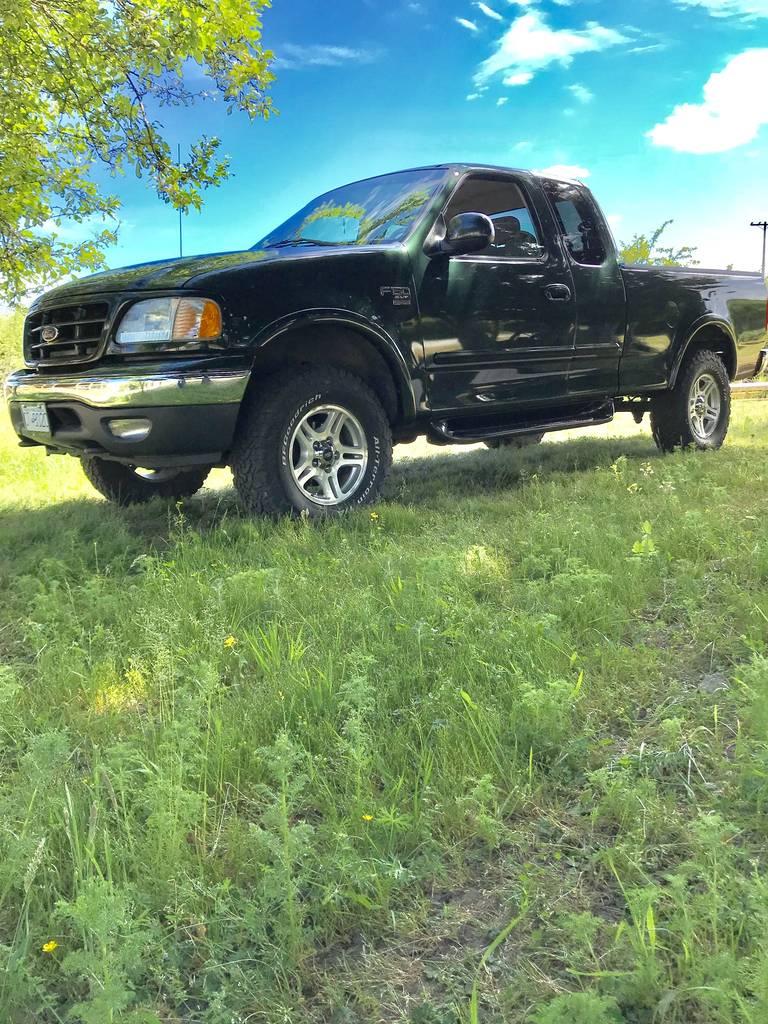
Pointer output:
x,y
311,441
129,485
697,411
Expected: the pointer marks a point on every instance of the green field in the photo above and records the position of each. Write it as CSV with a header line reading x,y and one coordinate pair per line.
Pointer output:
x,y
496,751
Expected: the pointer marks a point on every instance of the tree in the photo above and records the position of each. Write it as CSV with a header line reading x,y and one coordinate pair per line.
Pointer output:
x,y
82,84
645,251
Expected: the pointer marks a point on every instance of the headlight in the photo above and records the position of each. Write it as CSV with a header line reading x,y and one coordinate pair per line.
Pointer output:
x,y
169,320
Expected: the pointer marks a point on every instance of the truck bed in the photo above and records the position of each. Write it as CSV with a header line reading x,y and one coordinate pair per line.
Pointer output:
x,y
662,302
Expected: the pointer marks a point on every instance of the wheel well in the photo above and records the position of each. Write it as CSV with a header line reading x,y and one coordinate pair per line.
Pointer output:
x,y
331,345
712,338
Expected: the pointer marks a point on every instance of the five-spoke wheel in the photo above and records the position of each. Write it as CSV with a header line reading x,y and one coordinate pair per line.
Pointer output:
x,y
696,411
704,406
328,454
312,440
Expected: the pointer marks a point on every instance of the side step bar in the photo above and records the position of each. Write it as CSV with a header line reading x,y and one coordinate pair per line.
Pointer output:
x,y
462,432
749,389
456,432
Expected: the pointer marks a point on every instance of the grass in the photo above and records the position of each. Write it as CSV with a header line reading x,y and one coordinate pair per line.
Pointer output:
x,y
494,751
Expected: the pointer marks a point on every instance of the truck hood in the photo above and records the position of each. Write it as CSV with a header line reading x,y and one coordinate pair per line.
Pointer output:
x,y
162,275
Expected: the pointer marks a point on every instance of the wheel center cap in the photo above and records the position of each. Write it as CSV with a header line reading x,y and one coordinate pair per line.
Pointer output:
x,y
325,454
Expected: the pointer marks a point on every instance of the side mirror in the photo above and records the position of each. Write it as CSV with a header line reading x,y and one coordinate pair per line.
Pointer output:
x,y
468,232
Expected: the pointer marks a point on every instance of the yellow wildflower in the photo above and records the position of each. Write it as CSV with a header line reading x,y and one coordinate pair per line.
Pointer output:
x,y
230,642
367,817
50,946
374,516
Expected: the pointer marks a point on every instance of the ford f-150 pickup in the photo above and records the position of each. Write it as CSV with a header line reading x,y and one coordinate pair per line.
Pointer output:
x,y
466,303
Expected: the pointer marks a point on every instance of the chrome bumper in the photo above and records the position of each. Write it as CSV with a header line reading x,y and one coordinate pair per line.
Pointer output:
x,y
140,388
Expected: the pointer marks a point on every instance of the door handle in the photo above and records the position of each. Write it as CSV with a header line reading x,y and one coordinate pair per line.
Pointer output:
x,y
557,292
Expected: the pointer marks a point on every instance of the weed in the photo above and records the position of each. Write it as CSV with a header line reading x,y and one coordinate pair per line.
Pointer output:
x,y
298,772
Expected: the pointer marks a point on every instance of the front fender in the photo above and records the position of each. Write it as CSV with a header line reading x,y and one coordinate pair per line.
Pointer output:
x,y
367,328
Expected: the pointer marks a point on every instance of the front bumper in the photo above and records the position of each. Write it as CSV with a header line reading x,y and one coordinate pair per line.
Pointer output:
x,y
192,409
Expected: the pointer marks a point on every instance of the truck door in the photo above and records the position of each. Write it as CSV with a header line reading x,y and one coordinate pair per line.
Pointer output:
x,y
498,325
600,299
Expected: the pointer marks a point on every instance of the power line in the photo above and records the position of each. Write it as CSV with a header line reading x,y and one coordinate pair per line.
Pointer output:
x,y
764,225
181,228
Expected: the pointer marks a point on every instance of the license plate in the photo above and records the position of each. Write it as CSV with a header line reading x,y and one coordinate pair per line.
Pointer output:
x,y
34,418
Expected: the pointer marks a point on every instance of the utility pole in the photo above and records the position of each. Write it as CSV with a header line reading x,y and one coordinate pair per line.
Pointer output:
x,y
181,229
764,225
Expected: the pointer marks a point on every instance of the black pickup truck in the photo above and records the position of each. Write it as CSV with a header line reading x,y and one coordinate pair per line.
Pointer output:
x,y
465,303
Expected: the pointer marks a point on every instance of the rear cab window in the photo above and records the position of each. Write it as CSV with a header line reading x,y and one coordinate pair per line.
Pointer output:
x,y
578,221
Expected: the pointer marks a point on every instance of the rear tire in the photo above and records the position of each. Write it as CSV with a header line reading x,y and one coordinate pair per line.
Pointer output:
x,y
697,411
525,441
312,441
128,485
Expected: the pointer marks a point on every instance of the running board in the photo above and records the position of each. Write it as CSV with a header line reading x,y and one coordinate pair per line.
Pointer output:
x,y
749,389
455,432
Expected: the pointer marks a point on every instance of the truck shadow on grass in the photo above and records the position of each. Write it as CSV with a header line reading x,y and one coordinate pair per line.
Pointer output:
x,y
441,482
457,476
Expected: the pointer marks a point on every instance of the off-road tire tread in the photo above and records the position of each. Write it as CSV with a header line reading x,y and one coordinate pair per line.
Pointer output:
x,y
259,433
119,484
669,411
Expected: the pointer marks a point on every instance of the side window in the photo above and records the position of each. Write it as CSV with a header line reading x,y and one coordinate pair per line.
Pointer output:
x,y
578,223
502,201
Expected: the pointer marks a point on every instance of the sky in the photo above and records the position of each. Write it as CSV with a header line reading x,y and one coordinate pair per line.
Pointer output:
x,y
660,106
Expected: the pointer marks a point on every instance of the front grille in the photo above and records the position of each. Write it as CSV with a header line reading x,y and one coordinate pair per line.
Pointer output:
x,y
78,338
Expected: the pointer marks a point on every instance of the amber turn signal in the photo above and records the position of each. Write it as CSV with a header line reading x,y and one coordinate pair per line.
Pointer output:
x,y
210,321
197,318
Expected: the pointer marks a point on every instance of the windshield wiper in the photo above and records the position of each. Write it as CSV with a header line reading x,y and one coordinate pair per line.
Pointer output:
x,y
299,241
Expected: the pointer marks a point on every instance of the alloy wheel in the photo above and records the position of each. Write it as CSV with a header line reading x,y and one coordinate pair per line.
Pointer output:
x,y
704,405
328,455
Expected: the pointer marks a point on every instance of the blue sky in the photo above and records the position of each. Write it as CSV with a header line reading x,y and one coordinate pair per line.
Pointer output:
x,y
661,105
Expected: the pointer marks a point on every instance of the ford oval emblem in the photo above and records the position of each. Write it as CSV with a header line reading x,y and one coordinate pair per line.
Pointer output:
x,y
49,334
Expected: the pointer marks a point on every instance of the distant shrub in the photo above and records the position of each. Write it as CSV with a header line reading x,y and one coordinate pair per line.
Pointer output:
x,y
10,340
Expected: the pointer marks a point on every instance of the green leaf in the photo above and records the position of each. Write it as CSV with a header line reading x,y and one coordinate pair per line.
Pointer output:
x,y
99,71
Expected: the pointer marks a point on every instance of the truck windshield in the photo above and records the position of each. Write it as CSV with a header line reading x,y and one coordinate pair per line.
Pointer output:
x,y
368,212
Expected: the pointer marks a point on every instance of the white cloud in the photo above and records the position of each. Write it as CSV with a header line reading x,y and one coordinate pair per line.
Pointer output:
x,y
489,12
581,93
614,219
291,56
467,24
530,45
647,49
748,9
501,101
520,78
474,96
734,108
572,172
